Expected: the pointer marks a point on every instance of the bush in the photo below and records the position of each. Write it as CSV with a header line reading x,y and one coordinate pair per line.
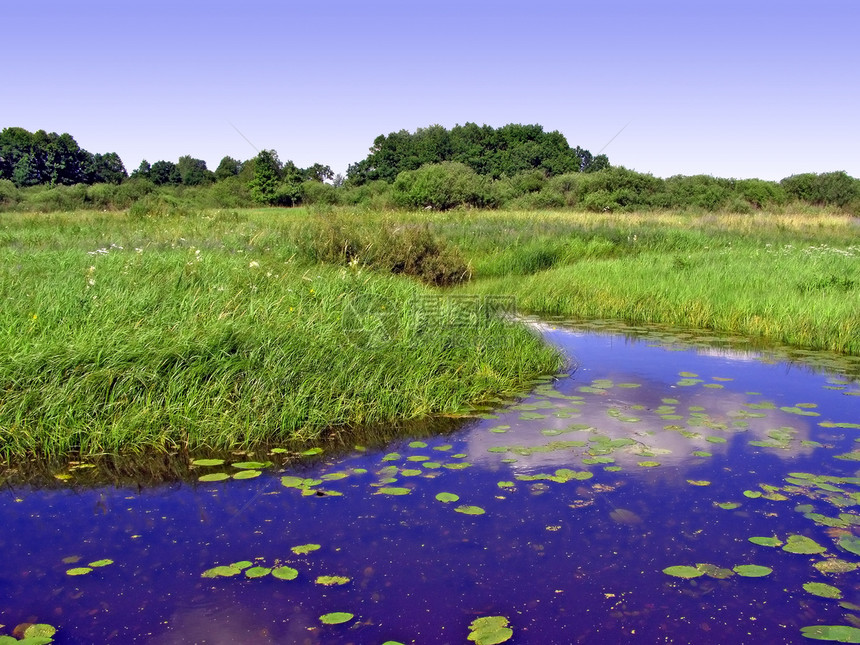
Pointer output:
x,y
8,193
826,189
761,194
316,192
441,186
408,249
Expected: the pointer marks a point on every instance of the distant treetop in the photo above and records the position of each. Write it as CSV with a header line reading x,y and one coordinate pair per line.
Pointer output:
x,y
31,158
500,152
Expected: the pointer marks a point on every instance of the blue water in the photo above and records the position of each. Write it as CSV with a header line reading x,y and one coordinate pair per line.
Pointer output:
x,y
576,561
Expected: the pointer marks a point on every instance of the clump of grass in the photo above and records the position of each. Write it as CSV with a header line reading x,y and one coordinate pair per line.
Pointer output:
x,y
402,248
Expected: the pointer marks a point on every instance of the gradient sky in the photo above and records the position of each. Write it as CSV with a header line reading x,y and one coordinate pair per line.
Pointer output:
x,y
732,88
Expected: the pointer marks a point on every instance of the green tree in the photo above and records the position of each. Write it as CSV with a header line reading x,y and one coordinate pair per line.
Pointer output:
x,y
164,173
267,177
227,167
193,172
105,169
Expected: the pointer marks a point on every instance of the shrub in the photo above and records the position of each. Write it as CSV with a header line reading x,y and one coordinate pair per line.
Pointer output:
x,y
826,189
408,249
8,193
441,186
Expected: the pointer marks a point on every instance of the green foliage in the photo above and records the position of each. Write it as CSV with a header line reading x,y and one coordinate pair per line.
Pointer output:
x,y
30,159
193,172
832,188
227,167
267,177
507,151
441,186
411,249
164,172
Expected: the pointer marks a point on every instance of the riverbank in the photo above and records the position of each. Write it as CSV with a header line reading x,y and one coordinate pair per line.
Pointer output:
x,y
227,329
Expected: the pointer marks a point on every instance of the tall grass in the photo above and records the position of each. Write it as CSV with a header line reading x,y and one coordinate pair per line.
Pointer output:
x,y
124,334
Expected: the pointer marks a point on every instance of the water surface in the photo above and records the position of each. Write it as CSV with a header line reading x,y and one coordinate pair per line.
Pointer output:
x,y
649,453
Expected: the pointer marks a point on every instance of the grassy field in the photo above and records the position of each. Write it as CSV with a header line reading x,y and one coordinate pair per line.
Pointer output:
x,y
126,333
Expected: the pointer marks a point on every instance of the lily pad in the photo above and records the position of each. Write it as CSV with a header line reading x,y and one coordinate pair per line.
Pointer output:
x,y
683,571
837,633
823,590
752,570
835,565
490,630
39,631
213,477
310,452
713,571
803,545
78,571
207,462
305,548
649,464
285,573
247,474
766,541
257,572
850,543
393,490
336,618
221,572
331,581
100,563
417,444
447,497
251,465
698,482
470,510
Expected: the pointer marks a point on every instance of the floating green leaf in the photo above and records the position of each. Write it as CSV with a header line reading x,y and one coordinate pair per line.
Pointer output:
x,y
752,570
766,541
284,573
803,545
310,452
214,477
835,565
207,462
221,572
247,474
837,633
470,510
701,453
39,632
393,490
850,543
823,590
417,444
490,630
336,618
698,482
713,571
100,563
447,497
252,465
257,572
391,456
683,571
305,548
78,571
728,506
331,581
649,464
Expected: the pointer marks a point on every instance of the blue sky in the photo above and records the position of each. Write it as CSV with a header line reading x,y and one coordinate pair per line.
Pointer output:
x,y
731,88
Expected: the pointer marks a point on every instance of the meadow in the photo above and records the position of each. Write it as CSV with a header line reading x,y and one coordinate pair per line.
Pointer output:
x,y
132,331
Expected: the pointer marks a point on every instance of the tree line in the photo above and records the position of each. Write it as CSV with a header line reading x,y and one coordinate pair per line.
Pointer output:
x,y
515,166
